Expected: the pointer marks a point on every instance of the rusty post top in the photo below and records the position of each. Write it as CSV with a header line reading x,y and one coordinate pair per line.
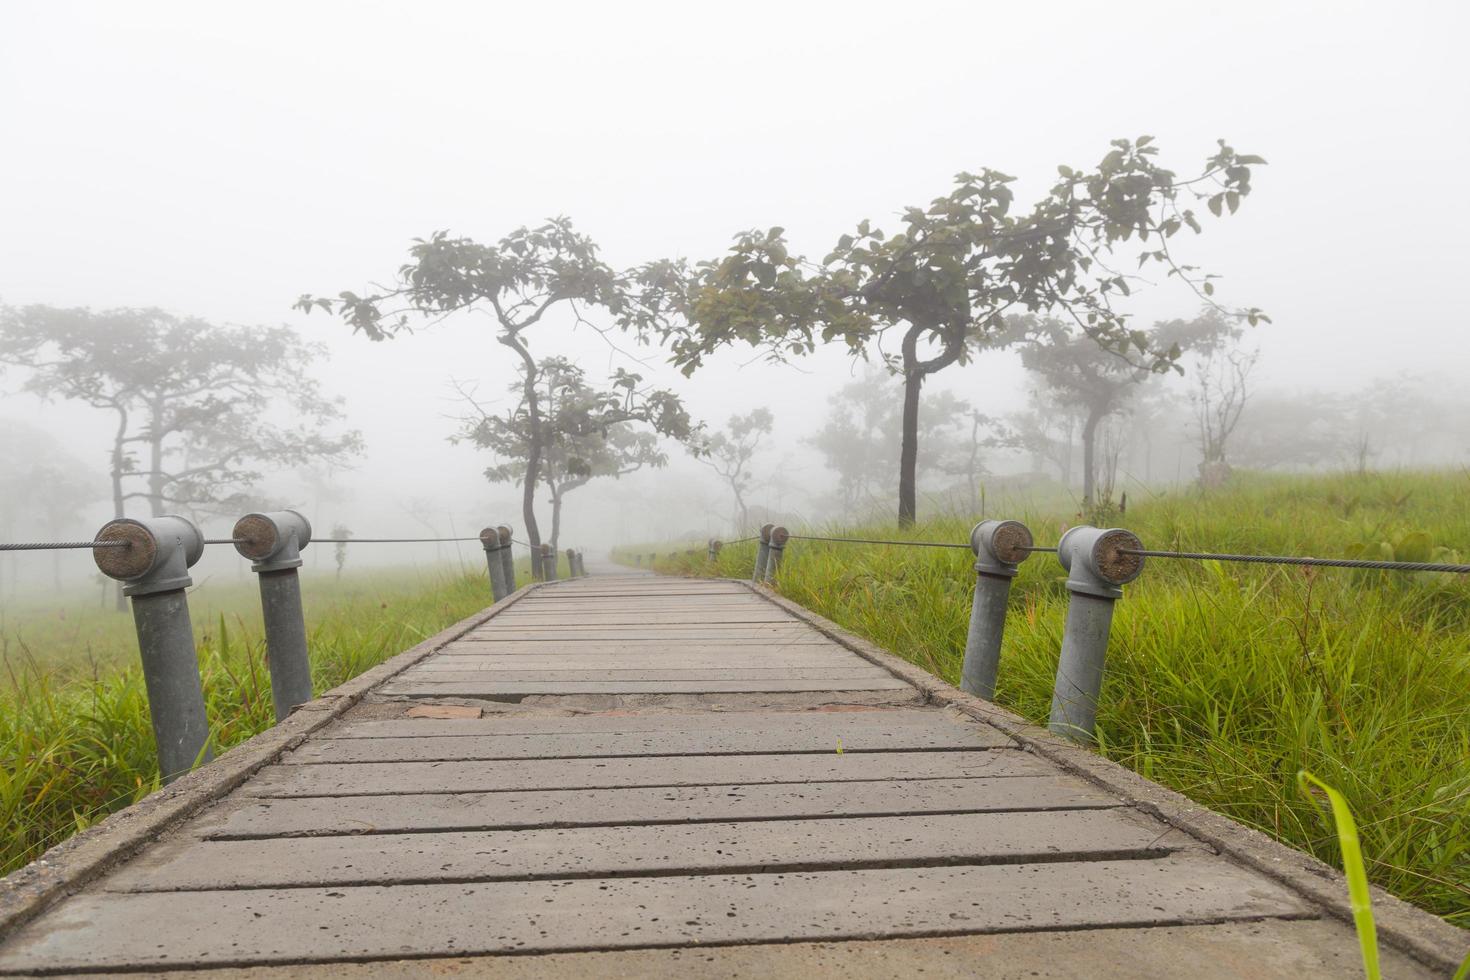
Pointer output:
x,y
159,553
1000,546
779,537
766,530
1099,560
272,541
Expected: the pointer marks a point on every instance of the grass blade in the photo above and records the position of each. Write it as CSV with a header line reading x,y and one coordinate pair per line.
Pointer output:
x,y
1352,866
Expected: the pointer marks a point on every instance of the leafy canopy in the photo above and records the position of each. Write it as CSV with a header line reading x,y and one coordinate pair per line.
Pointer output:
x,y
956,269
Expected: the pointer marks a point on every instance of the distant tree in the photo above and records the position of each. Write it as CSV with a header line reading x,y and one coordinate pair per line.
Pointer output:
x,y
340,534
585,432
519,280
194,400
949,279
729,452
1048,431
986,432
1302,431
1222,370
41,489
1099,383
861,436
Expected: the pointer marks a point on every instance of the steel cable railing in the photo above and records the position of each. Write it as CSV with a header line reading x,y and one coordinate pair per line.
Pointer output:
x,y
1098,563
151,558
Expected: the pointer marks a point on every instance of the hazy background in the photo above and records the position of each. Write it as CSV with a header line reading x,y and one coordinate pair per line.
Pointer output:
x,y
221,162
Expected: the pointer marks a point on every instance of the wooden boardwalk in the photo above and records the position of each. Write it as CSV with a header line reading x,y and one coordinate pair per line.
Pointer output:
x,y
639,776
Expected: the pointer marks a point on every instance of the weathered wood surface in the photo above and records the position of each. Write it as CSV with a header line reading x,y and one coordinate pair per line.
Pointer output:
x,y
618,781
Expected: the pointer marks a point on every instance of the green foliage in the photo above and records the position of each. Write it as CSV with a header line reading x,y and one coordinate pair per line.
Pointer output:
x,y
958,267
1223,681
192,397
75,737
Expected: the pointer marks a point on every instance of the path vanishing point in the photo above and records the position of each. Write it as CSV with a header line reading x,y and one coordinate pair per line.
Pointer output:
x,y
628,775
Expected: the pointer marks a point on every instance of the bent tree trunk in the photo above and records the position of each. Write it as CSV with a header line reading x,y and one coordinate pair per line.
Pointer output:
x,y
908,453
533,447
740,503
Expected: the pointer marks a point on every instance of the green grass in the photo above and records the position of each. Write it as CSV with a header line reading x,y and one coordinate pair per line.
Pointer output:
x,y
75,738
1224,680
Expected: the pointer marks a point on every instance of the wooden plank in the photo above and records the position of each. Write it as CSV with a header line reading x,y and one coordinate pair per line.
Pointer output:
x,y
590,745
622,643
765,659
647,635
837,673
1272,949
515,774
637,618
602,852
418,688
907,721
246,817
144,931
673,631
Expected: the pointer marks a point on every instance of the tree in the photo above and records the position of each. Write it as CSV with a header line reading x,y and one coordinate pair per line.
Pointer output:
x,y
585,432
195,400
730,451
518,281
1077,372
861,437
41,489
986,432
340,534
1222,374
949,279
1099,383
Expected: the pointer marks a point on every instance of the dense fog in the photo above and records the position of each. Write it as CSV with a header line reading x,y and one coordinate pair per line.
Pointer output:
x,y
219,164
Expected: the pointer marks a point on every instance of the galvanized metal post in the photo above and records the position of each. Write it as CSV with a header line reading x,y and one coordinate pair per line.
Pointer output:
x,y
777,548
154,568
490,541
762,552
1097,568
548,563
714,549
273,543
571,563
999,546
507,559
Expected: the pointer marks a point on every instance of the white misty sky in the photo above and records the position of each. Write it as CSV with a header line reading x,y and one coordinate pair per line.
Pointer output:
x,y
222,160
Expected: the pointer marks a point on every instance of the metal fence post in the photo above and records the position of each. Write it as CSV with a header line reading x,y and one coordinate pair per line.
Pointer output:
x,y
507,559
548,563
490,541
1096,567
571,563
638,561
762,552
774,553
273,543
999,546
154,568
714,549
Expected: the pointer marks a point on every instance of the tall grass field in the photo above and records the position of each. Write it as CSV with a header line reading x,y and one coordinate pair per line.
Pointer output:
x,y
1224,680
75,738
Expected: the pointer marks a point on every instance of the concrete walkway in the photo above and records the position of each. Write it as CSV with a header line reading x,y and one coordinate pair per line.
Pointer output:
x,y
635,776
